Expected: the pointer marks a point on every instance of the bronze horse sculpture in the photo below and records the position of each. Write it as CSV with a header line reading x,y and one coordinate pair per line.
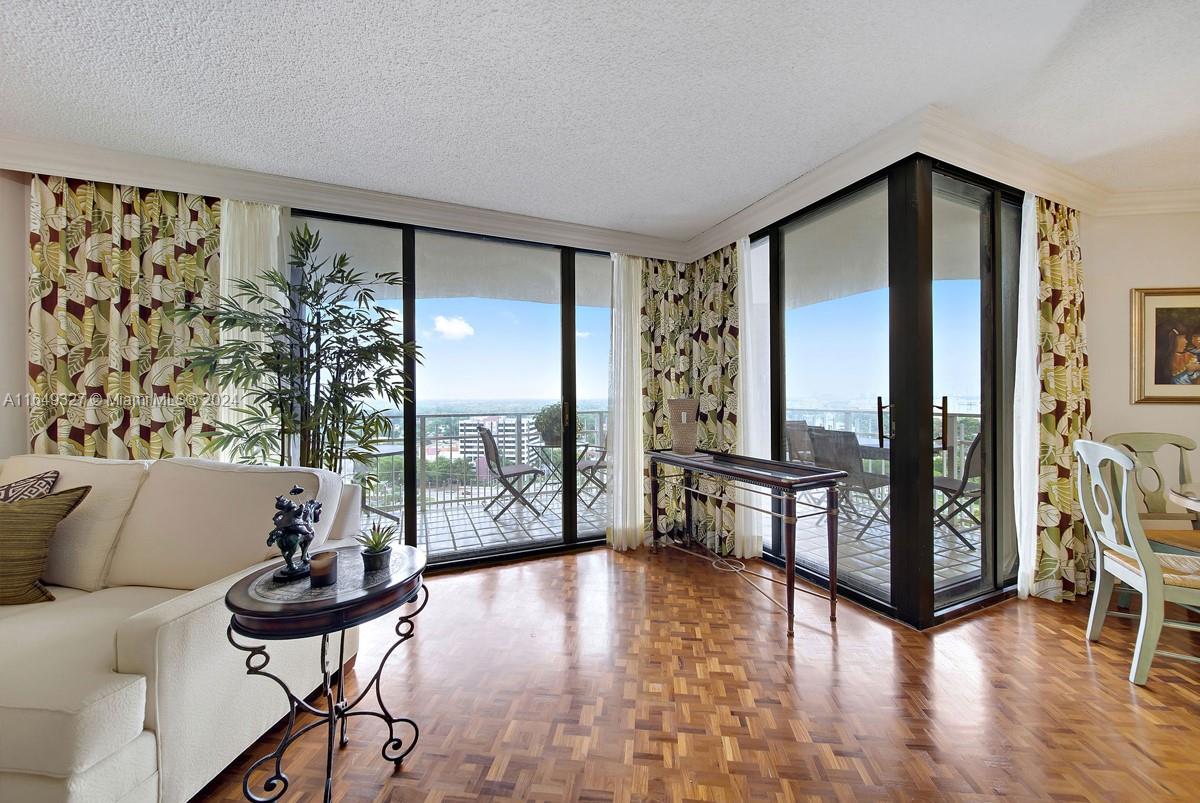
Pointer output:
x,y
293,533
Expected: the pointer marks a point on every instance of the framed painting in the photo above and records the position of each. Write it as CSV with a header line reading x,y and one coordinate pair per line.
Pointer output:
x,y
1165,358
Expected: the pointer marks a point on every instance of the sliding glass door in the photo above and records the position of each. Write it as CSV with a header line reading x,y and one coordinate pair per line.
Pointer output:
x,y
893,338
962,246
373,249
976,233
593,352
503,445
490,451
836,336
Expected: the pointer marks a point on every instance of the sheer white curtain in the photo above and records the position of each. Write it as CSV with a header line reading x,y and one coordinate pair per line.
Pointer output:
x,y
251,242
1026,400
753,387
626,485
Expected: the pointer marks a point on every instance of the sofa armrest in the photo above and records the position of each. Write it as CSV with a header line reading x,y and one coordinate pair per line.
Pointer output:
x,y
158,637
199,701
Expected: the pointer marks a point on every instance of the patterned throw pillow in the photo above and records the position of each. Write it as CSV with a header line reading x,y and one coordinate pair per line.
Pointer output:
x,y
26,528
29,488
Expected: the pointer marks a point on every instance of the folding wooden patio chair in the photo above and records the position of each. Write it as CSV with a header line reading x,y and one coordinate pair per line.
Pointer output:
x,y
515,480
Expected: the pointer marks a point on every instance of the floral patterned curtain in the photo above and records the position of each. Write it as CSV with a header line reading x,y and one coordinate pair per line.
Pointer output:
x,y
690,348
109,265
1065,561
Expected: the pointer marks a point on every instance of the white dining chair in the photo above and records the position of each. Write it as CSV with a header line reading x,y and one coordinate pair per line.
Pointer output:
x,y
1105,483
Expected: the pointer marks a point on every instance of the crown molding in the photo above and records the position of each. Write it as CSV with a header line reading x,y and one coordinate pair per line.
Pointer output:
x,y
947,137
1151,202
932,131
943,136
103,164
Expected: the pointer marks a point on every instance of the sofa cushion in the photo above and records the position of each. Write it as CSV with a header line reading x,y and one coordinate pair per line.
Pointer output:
x,y
196,521
119,777
83,545
62,707
61,594
26,528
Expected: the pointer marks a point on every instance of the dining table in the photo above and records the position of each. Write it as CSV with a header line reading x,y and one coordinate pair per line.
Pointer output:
x,y
1182,541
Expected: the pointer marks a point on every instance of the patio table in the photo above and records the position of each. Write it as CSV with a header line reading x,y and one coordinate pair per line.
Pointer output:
x,y
551,458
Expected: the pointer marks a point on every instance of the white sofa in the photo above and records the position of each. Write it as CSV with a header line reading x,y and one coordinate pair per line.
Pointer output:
x,y
124,688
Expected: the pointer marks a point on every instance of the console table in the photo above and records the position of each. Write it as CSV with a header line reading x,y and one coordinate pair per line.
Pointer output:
x,y
783,481
263,608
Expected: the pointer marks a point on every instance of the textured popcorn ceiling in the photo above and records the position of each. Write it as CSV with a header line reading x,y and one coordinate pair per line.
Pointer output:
x,y
655,117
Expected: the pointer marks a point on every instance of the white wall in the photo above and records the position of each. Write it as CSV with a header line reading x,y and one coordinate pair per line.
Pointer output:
x,y
14,249
1120,253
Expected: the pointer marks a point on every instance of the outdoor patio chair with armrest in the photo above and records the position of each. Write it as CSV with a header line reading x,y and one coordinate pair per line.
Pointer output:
x,y
799,441
961,492
836,449
589,469
515,480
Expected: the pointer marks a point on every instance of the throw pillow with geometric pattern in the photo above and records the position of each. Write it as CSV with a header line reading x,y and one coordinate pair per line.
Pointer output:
x,y
26,528
34,487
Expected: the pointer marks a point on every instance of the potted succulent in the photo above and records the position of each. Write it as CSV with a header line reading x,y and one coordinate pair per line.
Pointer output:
x,y
377,546
548,423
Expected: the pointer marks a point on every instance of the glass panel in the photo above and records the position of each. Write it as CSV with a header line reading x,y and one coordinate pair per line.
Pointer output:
x,y
836,345
373,249
962,552
593,347
489,327
1010,257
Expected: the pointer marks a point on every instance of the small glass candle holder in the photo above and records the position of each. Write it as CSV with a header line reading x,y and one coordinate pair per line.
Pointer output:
x,y
323,569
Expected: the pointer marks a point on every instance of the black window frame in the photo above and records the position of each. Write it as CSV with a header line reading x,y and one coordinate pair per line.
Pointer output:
x,y
571,538
910,275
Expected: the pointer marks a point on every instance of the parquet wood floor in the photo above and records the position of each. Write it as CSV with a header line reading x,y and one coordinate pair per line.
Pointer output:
x,y
635,677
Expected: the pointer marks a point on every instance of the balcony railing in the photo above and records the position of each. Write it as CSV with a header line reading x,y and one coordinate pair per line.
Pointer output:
x,y
451,468
962,429
454,483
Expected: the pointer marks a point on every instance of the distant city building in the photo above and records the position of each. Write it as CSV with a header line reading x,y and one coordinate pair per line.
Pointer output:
x,y
514,441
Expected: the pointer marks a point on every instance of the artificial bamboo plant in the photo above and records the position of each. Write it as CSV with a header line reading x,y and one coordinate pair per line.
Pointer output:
x,y
316,359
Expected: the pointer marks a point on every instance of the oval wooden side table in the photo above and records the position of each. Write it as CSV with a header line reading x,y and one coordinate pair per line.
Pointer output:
x,y
265,609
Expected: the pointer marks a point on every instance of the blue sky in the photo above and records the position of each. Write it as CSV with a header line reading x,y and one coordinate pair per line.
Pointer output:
x,y
477,348
837,351
484,348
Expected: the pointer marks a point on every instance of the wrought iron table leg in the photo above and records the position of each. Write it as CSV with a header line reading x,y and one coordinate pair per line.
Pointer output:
x,y
394,748
336,713
276,784
331,719
341,674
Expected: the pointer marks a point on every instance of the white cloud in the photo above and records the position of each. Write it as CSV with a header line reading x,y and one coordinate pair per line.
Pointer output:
x,y
455,328
583,334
